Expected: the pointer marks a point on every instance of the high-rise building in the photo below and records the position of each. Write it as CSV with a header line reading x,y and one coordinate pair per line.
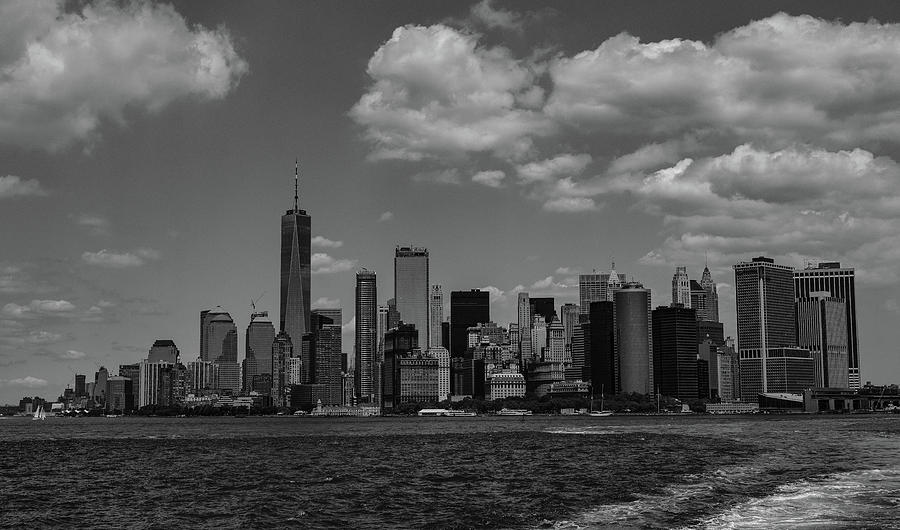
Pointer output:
x,y
118,394
366,334
327,363
282,354
295,268
467,309
133,372
822,329
436,316
201,375
555,352
569,318
598,287
544,306
79,385
336,314
258,341
710,311
599,345
411,285
163,350
393,319
681,287
538,336
219,344
381,330
443,357
840,282
634,340
524,312
675,351
764,299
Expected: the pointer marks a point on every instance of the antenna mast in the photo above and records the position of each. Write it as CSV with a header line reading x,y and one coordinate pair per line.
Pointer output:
x,y
296,185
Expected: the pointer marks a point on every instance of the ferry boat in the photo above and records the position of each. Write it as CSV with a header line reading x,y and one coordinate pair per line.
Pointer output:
x,y
445,413
514,412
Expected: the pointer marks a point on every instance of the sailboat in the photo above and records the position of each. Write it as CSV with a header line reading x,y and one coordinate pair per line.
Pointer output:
x,y
40,414
601,412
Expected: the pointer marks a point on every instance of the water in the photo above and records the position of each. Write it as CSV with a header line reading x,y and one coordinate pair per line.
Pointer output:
x,y
513,472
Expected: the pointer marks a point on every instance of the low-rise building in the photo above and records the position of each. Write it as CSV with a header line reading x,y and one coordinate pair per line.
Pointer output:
x,y
502,385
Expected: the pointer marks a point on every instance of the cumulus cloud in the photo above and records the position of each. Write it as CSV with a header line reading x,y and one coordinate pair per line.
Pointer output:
x,y
118,260
324,301
570,204
324,242
50,308
485,13
560,166
492,179
385,216
322,263
13,186
72,355
94,224
24,382
496,295
68,68
438,94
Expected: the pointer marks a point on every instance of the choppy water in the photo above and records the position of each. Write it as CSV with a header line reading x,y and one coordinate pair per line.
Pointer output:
x,y
532,472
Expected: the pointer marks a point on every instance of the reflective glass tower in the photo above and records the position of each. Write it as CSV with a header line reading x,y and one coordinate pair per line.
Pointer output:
x,y
411,285
295,269
366,336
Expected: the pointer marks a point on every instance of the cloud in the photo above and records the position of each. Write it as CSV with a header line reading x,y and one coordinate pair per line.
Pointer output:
x,y
793,204
568,271
322,263
13,186
386,216
72,355
50,308
349,330
547,170
781,79
441,176
548,286
324,242
24,382
491,179
436,93
570,204
324,301
94,224
118,260
497,295
58,64
484,13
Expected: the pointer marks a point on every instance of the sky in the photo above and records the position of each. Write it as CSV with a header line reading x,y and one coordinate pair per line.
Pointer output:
x,y
147,153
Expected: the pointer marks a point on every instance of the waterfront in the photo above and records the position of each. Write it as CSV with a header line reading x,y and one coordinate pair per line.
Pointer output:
x,y
490,472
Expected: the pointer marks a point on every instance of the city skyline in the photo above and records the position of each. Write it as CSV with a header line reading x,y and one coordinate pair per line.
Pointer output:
x,y
207,165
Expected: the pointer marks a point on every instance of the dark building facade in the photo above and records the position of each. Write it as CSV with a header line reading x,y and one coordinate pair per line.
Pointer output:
x,y
163,350
467,309
675,351
600,347
544,306
366,344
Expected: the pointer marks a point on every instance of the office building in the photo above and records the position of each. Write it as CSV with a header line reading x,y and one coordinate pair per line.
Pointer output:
x,y
327,362
335,314
524,313
598,338
366,335
840,283
822,329
781,370
467,309
79,385
163,350
258,341
569,318
675,352
634,338
397,343
393,315
295,269
202,376
764,299
382,329
502,385
436,316
598,288
443,356
411,288
219,344
681,287
132,372
119,394
710,299
543,306
161,383
538,336
555,351
282,355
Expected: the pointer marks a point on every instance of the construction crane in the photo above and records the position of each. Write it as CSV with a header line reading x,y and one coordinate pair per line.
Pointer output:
x,y
253,312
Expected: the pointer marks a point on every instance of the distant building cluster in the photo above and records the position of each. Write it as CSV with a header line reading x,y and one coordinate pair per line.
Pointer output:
x,y
796,330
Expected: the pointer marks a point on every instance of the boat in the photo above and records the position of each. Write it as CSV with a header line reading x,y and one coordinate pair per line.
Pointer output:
x,y
601,412
460,413
514,412
40,414
446,413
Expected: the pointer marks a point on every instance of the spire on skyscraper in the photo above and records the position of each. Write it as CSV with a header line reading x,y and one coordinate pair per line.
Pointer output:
x,y
296,185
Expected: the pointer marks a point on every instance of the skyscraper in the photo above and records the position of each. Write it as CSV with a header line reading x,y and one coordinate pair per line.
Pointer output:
x,y
411,284
840,282
524,312
681,287
282,352
675,351
366,335
711,309
335,314
822,329
295,268
764,300
569,318
599,347
634,339
598,287
544,306
258,341
219,344
163,350
555,352
467,309
436,316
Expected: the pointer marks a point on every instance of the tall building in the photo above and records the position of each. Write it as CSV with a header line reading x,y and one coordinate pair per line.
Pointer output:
x,y
258,341
381,330
599,347
524,312
436,316
282,354
681,287
710,312
839,282
634,340
467,309
295,268
411,285
822,329
79,385
569,318
335,314
598,287
538,336
163,350
443,357
393,319
764,300
544,306
366,335
219,344
132,372
327,363
675,351
555,352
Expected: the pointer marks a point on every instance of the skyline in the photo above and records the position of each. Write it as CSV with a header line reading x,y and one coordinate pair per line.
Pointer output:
x,y
164,196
